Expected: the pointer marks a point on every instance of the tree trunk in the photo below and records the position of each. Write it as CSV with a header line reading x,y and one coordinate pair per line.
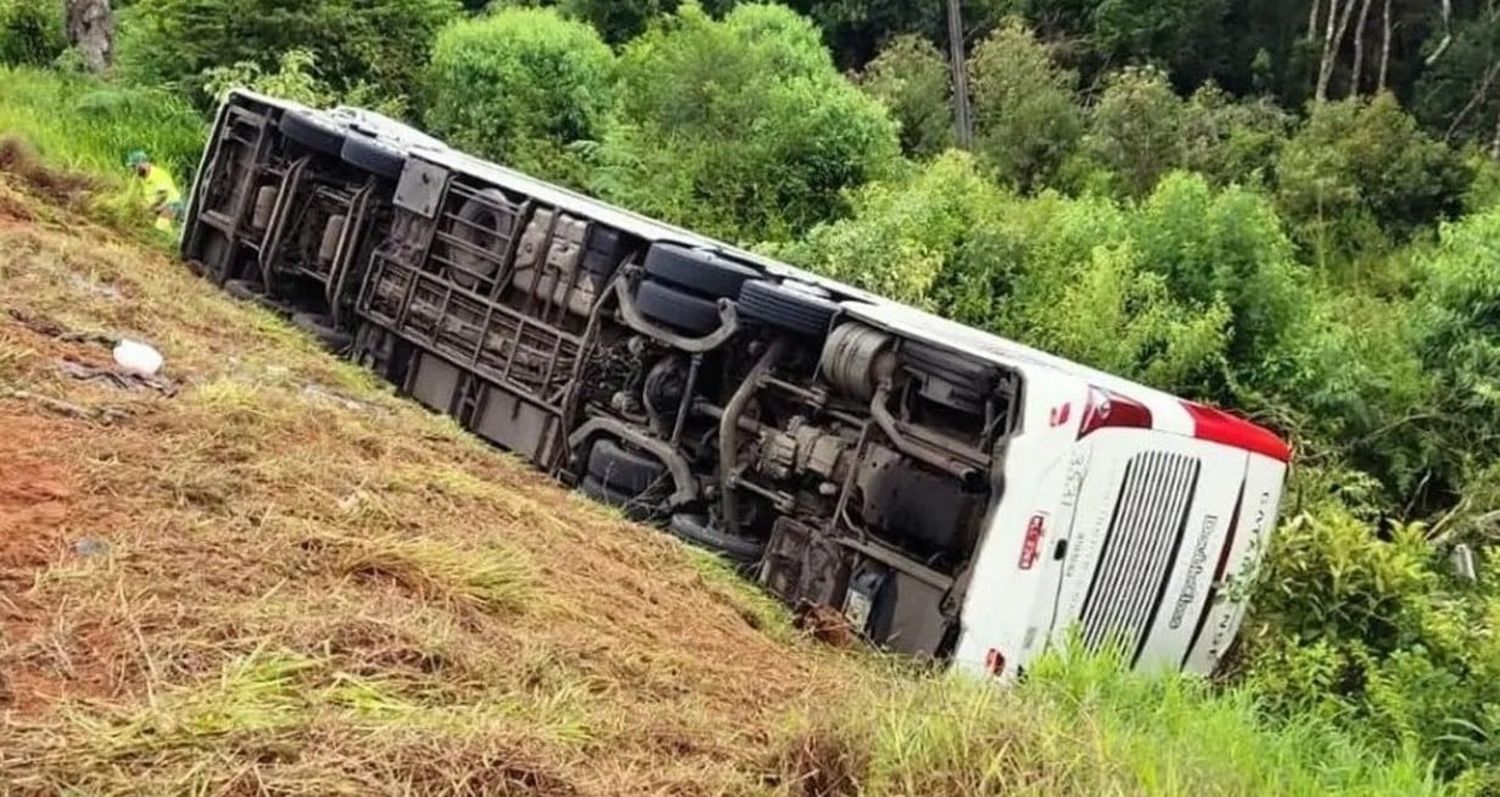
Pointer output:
x,y
1474,102
1359,49
1385,44
91,29
1312,20
963,116
1495,145
1437,52
1333,38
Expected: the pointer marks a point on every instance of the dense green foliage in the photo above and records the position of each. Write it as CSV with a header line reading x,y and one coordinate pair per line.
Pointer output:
x,y
910,77
30,31
739,127
520,86
356,42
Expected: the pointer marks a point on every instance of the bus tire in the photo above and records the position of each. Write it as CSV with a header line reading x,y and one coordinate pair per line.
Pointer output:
x,y
696,530
374,156
312,132
318,327
697,270
632,506
678,309
787,308
486,224
621,470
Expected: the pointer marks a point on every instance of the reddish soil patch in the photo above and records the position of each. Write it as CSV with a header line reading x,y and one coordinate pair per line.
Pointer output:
x,y
36,496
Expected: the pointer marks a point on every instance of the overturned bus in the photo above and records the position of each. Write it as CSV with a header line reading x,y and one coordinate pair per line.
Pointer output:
x,y
952,493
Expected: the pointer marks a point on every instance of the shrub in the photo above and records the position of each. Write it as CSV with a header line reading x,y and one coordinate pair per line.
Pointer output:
x,y
31,31
1135,129
740,128
355,42
1359,171
1359,624
520,86
904,239
1025,119
912,79
1232,141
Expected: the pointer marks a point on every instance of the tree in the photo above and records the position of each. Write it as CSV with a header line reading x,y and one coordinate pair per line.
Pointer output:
x,y
1360,170
1135,130
520,86
91,30
1026,119
740,127
911,78
1232,141
356,43
31,31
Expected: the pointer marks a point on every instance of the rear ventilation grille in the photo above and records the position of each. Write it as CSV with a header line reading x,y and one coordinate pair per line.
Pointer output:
x,y
1145,534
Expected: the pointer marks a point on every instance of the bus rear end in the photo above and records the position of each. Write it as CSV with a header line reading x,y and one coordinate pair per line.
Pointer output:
x,y
1142,512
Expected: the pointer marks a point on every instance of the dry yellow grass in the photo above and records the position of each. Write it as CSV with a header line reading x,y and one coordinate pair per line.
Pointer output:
x,y
285,580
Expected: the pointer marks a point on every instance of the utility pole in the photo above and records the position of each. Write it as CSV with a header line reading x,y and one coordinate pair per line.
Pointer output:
x,y
963,115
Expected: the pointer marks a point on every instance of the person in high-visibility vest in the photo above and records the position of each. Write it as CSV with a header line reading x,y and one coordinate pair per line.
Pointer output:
x,y
159,190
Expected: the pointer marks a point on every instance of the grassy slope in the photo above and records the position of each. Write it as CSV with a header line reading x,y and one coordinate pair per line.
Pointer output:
x,y
285,580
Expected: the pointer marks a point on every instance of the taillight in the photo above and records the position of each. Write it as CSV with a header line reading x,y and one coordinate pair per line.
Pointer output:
x,y
1106,409
994,661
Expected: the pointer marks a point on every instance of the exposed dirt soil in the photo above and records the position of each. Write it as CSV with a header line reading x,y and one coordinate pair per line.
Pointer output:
x,y
284,579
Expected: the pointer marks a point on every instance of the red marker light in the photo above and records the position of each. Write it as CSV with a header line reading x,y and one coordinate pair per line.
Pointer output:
x,y
1109,409
1033,542
1218,426
994,662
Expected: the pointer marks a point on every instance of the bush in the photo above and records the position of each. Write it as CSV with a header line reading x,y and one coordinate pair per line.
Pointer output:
x,y
1026,122
1136,129
520,86
31,32
912,79
904,239
740,128
356,42
1359,172
1458,327
1232,141
1360,625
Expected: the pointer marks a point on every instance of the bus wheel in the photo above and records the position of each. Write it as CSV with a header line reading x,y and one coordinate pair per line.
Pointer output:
x,y
634,507
318,327
622,470
676,308
696,530
698,270
373,156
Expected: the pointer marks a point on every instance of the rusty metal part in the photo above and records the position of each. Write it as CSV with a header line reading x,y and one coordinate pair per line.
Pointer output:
x,y
682,474
639,323
729,428
964,468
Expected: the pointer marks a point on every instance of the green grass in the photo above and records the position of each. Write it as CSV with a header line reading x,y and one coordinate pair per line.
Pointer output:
x,y
81,123
1079,725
